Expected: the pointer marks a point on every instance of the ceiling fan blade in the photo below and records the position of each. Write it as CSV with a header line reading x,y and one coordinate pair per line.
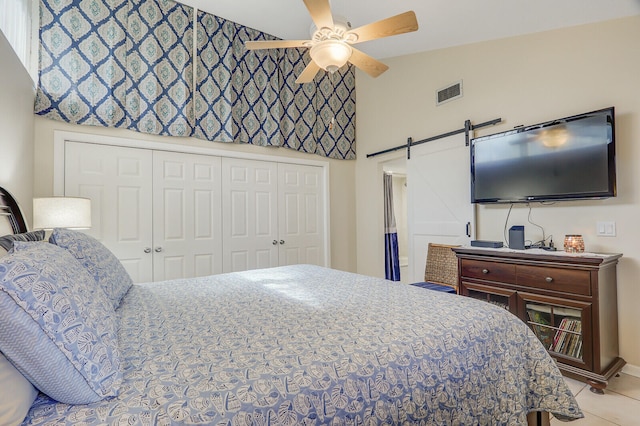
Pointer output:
x,y
366,63
399,24
320,12
274,44
309,73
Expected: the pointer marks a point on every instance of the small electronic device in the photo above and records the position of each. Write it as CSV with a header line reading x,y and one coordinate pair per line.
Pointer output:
x,y
486,243
516,237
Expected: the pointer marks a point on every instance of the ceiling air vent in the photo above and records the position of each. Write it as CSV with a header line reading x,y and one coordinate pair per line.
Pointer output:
x,y
449,93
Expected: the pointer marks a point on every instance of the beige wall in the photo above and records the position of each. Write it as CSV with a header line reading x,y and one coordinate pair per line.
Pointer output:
x,y
16,122
523,80
342,178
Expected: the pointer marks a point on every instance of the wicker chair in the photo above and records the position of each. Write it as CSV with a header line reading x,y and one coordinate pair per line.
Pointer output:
x,y
442,265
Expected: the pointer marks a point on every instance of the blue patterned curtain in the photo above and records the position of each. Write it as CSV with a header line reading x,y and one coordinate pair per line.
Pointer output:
x,y
83,62
300,113
159,67
252,97
335,129
130,64
117,63
391,256
237,91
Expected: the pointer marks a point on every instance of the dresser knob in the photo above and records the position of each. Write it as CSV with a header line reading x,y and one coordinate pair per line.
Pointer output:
x,y
548,279
485,271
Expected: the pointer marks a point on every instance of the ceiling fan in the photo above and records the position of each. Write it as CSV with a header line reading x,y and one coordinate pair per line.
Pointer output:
x,y
332,40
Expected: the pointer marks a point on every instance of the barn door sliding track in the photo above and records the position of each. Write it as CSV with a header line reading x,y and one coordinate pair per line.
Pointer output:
x,y
468,127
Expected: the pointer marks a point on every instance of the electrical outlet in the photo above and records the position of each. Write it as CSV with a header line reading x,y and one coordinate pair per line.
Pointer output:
x,y
606,229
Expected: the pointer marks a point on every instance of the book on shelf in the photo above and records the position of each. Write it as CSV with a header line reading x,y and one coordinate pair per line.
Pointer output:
x,y
572,340
576,348
568,338
540,326
537,316
559,337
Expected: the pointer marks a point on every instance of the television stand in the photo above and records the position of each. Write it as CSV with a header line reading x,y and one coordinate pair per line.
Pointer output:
x,y
569,301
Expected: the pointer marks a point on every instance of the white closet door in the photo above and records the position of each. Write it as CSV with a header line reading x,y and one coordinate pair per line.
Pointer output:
x,y
118,181
186,215
249,214
301,215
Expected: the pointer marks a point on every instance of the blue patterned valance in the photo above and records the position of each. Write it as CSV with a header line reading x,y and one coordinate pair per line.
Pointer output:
x,y
159,66
83,62
130,64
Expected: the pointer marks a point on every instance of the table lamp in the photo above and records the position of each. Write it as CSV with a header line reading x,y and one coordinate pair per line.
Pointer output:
x,y
61,212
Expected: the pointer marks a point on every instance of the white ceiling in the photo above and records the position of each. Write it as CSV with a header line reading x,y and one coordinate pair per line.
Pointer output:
x,y
443,23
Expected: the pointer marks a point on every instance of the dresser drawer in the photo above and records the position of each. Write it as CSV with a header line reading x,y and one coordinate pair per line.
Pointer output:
x,y
491,271
556,279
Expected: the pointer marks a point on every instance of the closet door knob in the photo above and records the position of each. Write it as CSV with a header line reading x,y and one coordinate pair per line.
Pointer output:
x,y
281,241
275,242
147,249
158,249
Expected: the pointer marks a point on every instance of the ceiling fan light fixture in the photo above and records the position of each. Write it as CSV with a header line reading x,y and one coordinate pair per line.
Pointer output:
x,y
332,37
330,55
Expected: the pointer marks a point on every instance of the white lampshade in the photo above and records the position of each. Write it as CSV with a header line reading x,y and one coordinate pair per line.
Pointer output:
x,y
330,55
61,212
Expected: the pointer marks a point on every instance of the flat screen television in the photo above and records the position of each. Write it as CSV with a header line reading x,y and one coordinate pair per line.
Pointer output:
x,y
566,159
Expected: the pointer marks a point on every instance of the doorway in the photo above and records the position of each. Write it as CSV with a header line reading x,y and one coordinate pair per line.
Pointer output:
x,y
431,201
397,168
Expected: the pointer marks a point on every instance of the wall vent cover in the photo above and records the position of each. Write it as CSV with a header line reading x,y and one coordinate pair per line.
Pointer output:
x,y
449,93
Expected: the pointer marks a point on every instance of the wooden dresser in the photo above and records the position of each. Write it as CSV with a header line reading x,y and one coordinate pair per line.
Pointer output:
x,y
569,301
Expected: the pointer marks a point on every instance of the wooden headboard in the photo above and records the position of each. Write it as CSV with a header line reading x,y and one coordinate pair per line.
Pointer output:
x,y
9,210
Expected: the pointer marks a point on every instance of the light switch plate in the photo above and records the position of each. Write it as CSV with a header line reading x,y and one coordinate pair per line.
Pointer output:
x,y
606,229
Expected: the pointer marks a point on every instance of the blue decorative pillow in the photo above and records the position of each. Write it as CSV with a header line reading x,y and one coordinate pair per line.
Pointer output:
x,y
98,260
6,242
56,326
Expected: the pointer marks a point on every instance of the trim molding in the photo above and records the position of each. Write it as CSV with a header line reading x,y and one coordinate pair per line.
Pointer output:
x,y
632,370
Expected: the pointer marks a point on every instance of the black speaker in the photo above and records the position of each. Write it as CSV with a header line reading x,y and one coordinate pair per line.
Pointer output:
x,y
516,237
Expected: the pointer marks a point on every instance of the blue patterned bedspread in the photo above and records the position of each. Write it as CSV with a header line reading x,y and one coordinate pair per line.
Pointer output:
x,y
309,345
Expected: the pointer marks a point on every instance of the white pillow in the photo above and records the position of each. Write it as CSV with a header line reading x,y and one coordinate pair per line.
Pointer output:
x,y
16,394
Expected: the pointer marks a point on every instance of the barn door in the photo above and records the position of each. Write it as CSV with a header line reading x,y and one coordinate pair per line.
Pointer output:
x,y
438,199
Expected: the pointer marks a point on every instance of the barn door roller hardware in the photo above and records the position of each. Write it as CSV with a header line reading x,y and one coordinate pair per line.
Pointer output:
x,y
468,127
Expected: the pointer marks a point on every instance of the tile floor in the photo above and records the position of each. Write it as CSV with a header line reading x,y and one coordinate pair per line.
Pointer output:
x,y
620,404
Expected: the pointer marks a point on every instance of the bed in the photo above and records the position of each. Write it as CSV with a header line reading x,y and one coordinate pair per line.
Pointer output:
x,y
296,345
